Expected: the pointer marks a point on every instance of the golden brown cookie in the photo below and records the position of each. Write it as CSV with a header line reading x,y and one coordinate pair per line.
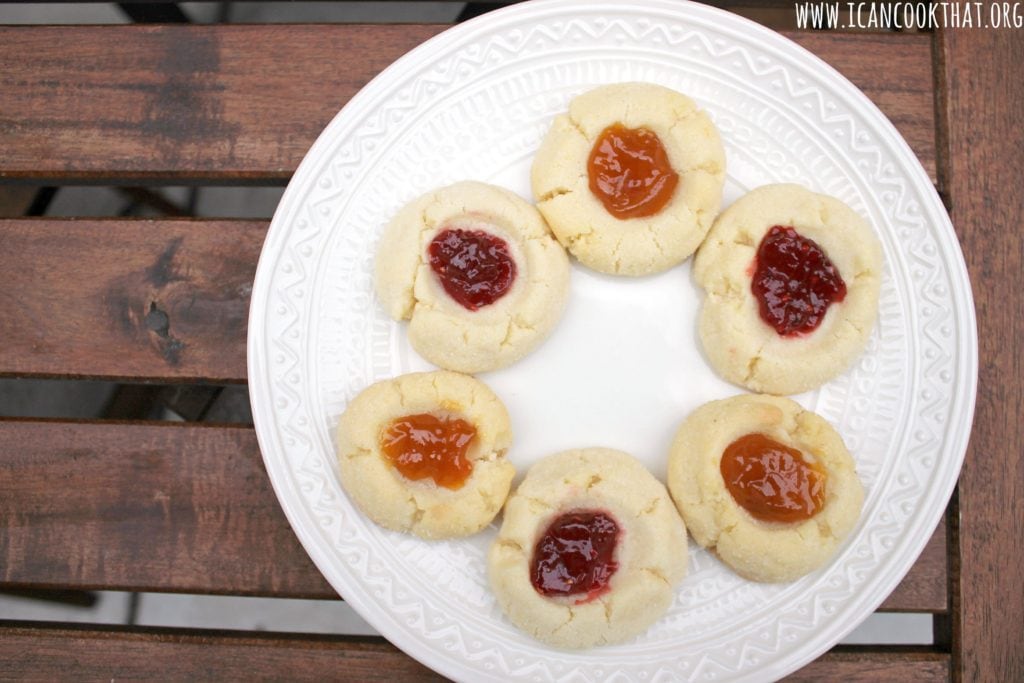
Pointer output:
x,y
449,433
600,209
575,514
737,509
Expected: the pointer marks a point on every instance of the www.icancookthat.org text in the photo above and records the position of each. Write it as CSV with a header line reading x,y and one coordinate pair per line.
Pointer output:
x,y
908,15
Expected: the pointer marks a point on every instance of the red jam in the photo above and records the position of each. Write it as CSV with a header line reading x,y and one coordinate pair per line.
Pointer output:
x,y
630,173
575,555
474,267
424,445
794,282
772,481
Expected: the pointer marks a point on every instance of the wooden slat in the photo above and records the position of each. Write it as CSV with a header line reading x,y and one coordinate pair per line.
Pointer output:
x,y
89,653
114,654
177,508
225,103
135,299
137,507
129,104
875,664
985,177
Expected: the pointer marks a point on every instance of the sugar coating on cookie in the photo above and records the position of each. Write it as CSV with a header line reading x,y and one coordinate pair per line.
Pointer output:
x,y
739,344
650,554
758,550
579,219
445,331
422,507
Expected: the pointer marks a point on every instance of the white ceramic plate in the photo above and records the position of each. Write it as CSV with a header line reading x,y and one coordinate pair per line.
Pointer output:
x,y
624,366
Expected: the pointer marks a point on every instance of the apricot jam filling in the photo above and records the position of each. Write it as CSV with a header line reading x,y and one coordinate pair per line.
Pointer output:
x,y
630,173
794,282
772,481
425,445
575,556
474,267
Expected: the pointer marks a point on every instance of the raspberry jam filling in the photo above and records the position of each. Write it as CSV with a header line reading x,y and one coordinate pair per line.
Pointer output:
x,y
794,282
630,173
772,481
425,445
474,267
576,555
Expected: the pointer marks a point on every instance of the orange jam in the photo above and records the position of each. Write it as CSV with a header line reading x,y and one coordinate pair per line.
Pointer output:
x,y
630,173
425,445
772,481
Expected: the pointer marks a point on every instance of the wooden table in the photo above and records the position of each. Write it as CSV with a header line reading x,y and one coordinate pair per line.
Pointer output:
x,y
187,507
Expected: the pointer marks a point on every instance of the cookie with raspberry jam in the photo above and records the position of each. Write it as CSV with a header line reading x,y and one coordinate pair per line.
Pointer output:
x,y
590,551
791,281
476,272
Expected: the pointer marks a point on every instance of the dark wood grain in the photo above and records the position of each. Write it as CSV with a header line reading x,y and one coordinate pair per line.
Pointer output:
x,y
115,654
144,507
180,102
876,664
985,175
244,103
127,299
79,500
40,652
